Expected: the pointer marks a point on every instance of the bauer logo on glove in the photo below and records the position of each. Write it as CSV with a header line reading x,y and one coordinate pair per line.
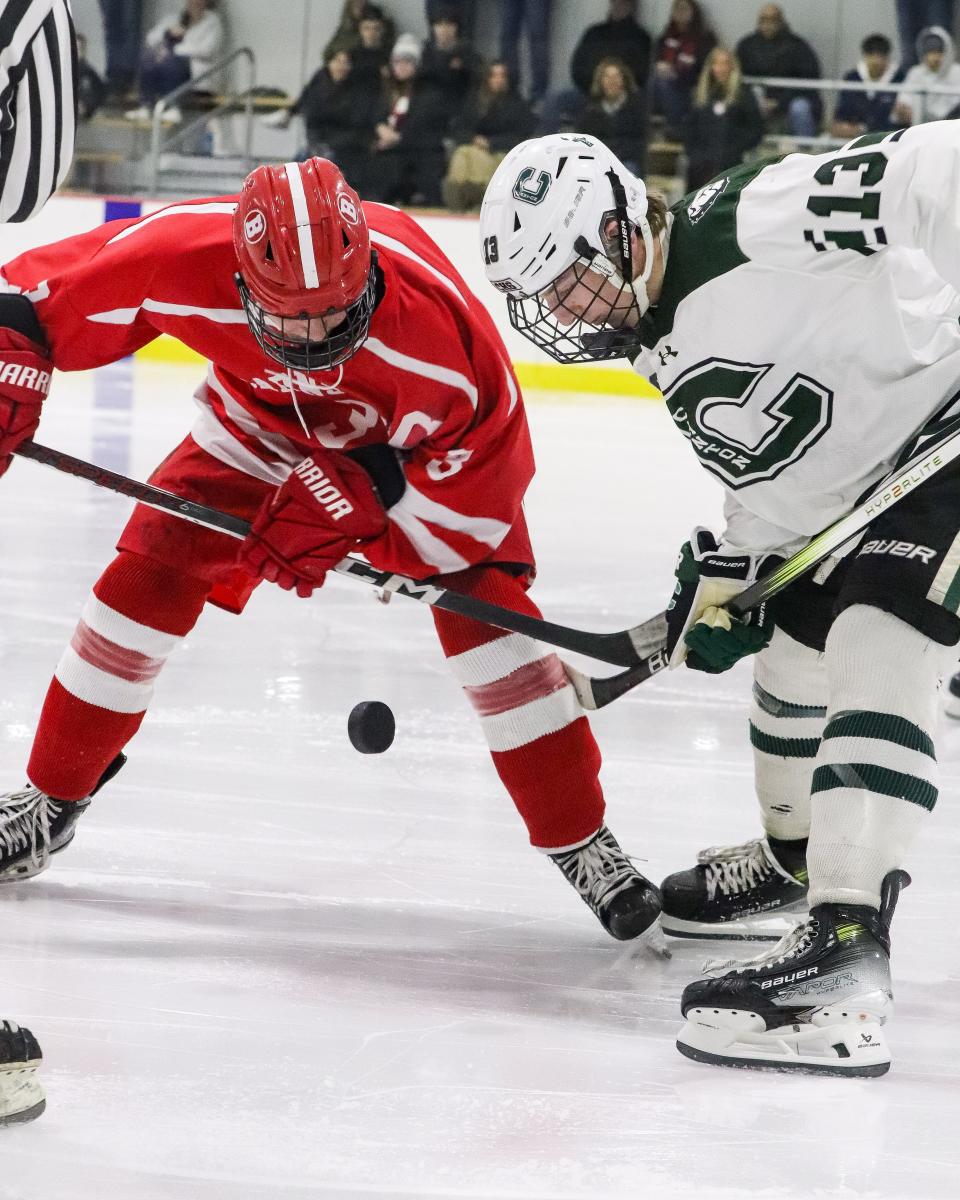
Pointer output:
x,y
701,630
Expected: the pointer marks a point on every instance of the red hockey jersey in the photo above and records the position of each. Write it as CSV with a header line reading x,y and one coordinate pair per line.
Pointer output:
x,y
433,378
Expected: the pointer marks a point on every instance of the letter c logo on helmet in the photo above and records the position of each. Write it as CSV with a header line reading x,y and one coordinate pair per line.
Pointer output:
x,y
254,226
532,186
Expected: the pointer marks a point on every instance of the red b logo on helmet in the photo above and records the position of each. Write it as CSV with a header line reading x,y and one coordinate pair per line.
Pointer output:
x,y
348,210
254,225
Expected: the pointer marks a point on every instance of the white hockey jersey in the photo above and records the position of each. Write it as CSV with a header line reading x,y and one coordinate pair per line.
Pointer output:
x,y
807,329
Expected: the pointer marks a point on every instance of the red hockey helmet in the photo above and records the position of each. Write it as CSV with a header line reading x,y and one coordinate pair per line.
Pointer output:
x,y
307,275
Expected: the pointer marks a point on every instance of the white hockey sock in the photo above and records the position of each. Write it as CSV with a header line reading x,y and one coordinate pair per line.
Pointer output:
x,y
787,716
876,772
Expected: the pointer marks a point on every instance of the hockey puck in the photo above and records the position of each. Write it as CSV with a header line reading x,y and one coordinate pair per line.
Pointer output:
x,y
371,727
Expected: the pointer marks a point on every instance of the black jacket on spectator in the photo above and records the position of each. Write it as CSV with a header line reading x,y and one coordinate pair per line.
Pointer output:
x,y
454,73
90,90
624,131
626,40
718,135
873,109
504,121
370,65
787,55
417,164
340,118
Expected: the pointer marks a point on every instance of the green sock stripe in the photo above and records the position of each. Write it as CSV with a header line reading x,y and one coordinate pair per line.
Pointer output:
x,y
783,708
951,599
783,747
881,780
883,726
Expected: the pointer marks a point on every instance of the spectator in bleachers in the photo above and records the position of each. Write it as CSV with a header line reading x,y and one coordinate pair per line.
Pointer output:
x,y
868,112
494,122
449,63
90,87
179,47
775,50
338,111
724,121
465,10
937,66
371,51
617,113
913,16
534,16
407,162
681,51
121,31
347,35
620,36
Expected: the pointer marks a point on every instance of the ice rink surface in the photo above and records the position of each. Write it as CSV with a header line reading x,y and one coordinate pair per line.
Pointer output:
x,y
270,967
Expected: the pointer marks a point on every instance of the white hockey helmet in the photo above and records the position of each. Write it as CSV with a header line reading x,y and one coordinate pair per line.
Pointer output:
x,y
550,207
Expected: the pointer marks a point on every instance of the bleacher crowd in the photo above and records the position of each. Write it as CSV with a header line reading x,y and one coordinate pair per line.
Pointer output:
x,y
427,122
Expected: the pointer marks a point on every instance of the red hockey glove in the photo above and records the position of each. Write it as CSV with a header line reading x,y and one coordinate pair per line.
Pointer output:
x,y
24,382
326,507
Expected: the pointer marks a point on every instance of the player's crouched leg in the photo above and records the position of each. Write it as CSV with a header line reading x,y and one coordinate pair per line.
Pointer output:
x,y
544,751
138,613
21,1096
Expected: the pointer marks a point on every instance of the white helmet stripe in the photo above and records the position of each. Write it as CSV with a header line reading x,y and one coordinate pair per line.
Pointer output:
x,y
299,197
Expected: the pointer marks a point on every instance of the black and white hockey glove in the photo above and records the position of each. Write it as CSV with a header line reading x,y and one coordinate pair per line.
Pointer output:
x,y
700,631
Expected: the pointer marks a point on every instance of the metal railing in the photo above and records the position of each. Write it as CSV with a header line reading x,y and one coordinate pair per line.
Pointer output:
x,y
163,139
849,85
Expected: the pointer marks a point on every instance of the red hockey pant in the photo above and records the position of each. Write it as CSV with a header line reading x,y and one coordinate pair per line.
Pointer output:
x,y
140,610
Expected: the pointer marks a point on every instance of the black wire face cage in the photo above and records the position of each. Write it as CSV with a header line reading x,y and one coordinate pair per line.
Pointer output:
x,y
608,326
610,331
300,353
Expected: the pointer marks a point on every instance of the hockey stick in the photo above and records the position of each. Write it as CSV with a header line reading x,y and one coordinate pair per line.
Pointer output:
x,y
623,649
598,693
641,648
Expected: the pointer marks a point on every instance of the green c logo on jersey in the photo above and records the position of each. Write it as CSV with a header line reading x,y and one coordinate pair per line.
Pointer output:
x,y
744,427
532,185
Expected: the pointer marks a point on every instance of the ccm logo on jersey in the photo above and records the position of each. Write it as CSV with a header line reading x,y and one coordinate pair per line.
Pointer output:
x,y
324,492
30,378
898,549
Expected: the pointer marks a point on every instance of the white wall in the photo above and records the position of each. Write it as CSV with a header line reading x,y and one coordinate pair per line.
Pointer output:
x,y
288,36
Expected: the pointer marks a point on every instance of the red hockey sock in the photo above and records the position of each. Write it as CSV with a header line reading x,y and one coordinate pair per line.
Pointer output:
x,y
539,739
138,612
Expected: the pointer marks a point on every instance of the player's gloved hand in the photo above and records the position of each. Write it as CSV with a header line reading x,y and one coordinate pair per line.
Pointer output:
x,y
700,630
326,508
24,382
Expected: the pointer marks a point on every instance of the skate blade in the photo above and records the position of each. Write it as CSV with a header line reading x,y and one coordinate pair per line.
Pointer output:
x,y
761,928
652,942
21,1096
857,1048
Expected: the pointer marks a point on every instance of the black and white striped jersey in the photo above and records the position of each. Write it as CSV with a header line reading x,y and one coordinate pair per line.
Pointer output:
x,y
38,67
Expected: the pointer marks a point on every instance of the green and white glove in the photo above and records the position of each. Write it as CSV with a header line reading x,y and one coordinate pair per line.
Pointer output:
x,y
701,631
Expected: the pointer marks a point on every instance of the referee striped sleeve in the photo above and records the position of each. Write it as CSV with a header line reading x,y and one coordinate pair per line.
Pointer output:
x,y
38,62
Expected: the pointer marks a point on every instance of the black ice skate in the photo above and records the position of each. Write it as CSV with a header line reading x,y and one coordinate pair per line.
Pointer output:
x,y
626,903
33,826
756,891
21,1096
815,1002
